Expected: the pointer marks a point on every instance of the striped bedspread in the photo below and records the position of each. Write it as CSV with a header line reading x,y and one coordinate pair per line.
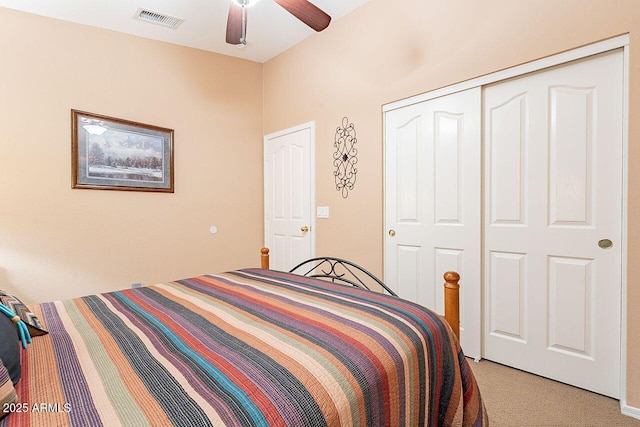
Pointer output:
x,y
244,348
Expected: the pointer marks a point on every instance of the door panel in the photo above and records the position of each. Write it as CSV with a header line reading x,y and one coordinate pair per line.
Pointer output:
x,y
448,129
409,187
553,179
507,140
408,271
508,291
404,213
572,136
571,310
432,204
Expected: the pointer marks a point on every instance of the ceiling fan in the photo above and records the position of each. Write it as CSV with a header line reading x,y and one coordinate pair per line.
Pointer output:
x,y
304,10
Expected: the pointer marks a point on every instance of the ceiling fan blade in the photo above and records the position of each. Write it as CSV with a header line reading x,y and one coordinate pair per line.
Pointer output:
x,y
307,12
234,24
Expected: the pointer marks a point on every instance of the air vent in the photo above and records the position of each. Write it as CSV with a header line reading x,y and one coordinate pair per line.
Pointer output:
x,y
157,18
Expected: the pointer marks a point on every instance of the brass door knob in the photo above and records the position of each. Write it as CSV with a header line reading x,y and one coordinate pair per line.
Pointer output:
x,y
392,233
304,229
605,243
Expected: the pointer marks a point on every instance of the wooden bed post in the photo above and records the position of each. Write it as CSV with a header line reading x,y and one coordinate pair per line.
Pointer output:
x,y
264,258
452,301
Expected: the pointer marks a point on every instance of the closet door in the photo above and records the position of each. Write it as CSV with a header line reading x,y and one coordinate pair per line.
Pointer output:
x,y
432,204
552,235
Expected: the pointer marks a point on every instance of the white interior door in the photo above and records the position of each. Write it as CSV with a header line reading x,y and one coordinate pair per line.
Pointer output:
x,y
553,191
432,205
289,195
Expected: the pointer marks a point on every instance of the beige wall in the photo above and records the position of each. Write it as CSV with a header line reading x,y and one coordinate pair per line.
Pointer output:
x,y
57,242
388,50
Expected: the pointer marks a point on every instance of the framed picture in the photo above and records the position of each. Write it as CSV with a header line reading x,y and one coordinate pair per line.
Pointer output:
x,y
115,154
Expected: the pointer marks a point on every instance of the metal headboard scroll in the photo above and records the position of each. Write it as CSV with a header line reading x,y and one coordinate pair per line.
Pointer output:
x,y
339,271
345,157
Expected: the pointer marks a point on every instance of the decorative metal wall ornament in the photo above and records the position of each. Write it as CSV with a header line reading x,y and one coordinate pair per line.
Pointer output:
x,y
345,157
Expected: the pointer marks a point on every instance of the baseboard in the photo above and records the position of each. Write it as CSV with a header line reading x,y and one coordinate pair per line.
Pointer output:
x,y
629,410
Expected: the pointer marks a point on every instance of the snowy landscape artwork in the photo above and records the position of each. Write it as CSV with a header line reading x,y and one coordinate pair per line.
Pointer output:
x,y
124,155
117,154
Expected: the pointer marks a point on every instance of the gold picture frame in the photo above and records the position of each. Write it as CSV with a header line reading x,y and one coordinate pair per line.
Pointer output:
x,y
116,154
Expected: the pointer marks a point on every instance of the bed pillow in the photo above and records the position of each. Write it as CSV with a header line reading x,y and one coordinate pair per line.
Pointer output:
x,y
19,308
10,348
7,392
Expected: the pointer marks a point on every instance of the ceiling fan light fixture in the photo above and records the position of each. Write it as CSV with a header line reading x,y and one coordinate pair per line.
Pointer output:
x,y
245,3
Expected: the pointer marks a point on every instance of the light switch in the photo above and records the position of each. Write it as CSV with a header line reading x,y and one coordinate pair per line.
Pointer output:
x,y
322,211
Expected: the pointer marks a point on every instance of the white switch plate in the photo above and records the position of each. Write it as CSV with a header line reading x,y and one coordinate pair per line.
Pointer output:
x,y
322,211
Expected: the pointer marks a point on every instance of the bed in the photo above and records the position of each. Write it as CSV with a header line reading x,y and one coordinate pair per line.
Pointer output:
x,y
243,348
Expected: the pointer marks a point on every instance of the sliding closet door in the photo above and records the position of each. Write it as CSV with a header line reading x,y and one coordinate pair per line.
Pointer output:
x,y
432,204
552,235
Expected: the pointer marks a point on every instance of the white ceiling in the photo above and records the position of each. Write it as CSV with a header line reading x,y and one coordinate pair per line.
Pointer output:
x,y
270,30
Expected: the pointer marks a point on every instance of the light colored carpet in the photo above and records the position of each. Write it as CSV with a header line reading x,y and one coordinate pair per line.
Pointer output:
x,y
515,398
